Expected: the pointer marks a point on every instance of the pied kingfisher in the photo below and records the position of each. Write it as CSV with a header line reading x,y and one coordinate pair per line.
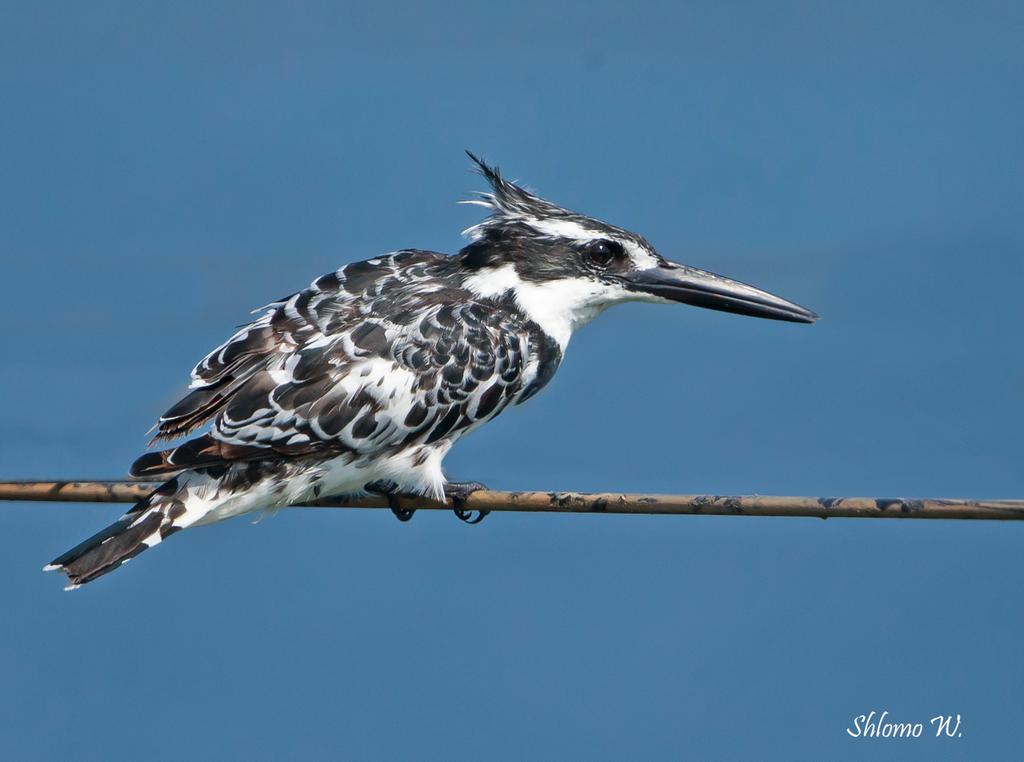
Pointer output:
x,y
364,380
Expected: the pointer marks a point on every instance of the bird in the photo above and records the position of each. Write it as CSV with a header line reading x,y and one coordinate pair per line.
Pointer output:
x,y
362,382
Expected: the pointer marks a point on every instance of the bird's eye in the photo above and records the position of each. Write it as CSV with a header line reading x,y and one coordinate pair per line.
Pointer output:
x,y
603,253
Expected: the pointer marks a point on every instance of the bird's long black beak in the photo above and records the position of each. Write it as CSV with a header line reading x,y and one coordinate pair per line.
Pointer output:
x,y
689,285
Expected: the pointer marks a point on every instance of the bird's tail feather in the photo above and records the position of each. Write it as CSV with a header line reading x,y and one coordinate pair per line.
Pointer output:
x,y
155,517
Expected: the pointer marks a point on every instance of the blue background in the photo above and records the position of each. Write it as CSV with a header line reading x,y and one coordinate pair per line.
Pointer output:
x,y
166,168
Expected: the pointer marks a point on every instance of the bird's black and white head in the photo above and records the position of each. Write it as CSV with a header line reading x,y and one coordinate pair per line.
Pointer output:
x,y
564,268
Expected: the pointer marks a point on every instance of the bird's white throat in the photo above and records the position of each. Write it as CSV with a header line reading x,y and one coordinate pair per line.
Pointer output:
x,y
559,307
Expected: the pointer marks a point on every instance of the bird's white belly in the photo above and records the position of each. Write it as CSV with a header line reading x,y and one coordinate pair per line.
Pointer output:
x,y
415,470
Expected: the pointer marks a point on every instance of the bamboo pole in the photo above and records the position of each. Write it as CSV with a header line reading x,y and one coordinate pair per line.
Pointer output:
x,y
581,502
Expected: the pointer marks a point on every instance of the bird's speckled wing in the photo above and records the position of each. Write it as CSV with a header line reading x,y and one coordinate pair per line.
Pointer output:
x,y
376,356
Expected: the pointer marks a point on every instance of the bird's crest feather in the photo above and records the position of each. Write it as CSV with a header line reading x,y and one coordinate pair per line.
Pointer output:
x,y
508,202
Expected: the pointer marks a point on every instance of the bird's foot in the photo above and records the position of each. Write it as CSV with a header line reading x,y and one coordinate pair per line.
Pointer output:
x,y
457,492
390,490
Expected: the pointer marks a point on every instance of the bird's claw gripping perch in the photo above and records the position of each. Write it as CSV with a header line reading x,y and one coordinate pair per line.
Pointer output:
x,y
457,492
402,514
391,492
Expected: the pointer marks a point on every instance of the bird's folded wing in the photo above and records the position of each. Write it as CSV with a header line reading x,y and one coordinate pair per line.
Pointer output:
x,y
328,371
